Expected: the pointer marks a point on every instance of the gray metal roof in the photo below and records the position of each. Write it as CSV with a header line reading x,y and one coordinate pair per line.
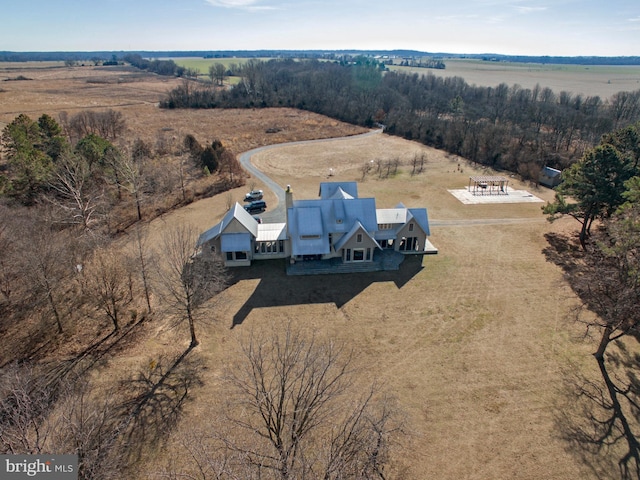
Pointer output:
x,y
391,215
550,172
238,213
421,218
338,216
270,232
340,194
235,242
308,221
328,189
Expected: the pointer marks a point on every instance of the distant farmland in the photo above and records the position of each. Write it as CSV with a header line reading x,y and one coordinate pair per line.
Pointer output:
x,y
588,80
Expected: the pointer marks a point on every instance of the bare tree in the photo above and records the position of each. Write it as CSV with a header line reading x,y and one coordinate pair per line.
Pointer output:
x,y
25,401
46,265
9,271
142,256
89,425
107,283
132,179
417,163
217,72
76,197
186,278
230,164
296,413
365,169
108,124
41,412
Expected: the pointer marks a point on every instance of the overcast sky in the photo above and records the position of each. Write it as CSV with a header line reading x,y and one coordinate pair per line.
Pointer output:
x,y
523,27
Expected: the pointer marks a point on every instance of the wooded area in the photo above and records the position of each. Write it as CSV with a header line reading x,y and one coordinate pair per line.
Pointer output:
x,y
505,127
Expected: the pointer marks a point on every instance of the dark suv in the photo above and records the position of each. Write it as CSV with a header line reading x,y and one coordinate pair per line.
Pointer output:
x,y
256,206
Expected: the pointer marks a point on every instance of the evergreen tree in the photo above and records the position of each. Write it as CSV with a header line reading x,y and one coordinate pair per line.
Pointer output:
x,y
597,183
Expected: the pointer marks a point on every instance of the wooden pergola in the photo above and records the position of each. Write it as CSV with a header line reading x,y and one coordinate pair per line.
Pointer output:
x,y
488,185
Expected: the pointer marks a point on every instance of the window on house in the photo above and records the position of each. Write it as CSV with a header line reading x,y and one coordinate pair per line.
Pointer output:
x,y
281,245
368,254
359,238
229,256
358,254
411,227
241,255
309,237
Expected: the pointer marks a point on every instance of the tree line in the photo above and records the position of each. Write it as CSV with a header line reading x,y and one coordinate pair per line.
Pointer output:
x,y
68,189
505,127
161,67
84,159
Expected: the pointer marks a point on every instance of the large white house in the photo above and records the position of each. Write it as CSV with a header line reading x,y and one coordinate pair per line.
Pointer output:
x,y
337,225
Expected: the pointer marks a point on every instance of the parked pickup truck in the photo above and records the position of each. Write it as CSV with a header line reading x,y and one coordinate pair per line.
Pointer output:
x,y
253,195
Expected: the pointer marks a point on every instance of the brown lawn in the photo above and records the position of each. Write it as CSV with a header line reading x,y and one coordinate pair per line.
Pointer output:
x,y
474,345
474,342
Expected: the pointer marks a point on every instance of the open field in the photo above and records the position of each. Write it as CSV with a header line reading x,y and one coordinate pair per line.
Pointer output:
x,y
203,64
136,94
475,342
589,80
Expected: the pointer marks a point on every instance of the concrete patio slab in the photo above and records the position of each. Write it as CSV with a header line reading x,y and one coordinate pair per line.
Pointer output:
x,y
509,196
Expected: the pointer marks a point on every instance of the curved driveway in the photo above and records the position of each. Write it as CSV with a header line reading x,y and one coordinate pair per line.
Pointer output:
x,y
278,214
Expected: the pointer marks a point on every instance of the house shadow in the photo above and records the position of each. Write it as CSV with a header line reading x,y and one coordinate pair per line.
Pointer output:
x,y
277,289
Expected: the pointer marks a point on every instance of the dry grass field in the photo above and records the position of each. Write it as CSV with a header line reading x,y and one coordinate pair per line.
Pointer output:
x,y
52,90
588,80
475,343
